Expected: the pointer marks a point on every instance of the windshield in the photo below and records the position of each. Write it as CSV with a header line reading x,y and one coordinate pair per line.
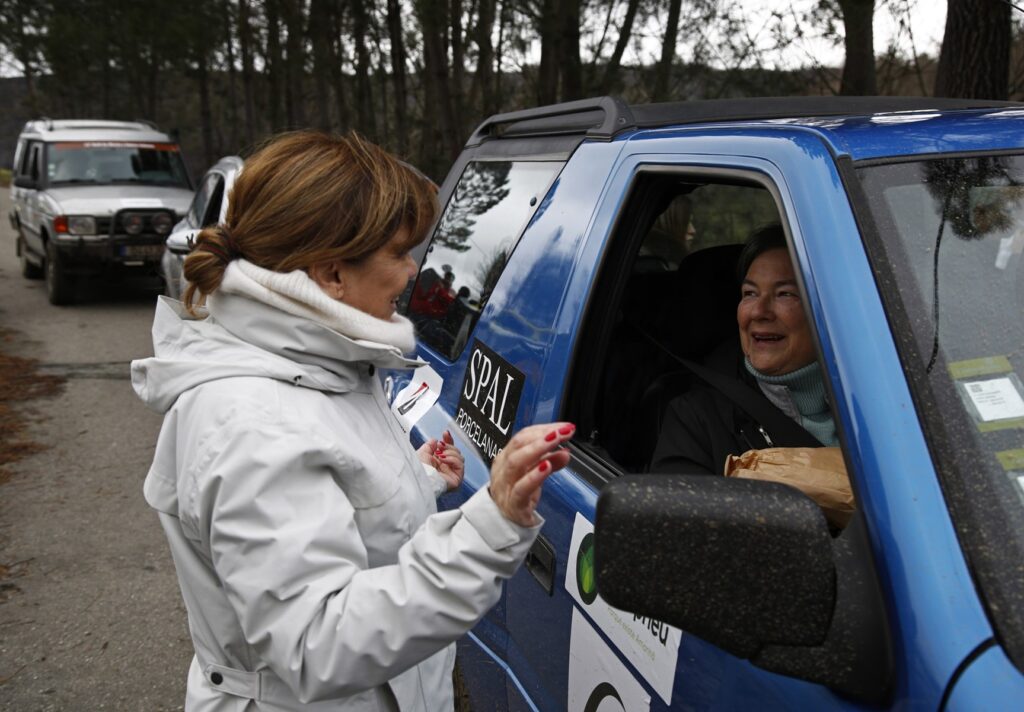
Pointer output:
x,y
115,162
950,258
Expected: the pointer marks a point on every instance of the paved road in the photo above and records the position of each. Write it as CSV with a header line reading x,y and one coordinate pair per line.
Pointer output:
x,y
90,613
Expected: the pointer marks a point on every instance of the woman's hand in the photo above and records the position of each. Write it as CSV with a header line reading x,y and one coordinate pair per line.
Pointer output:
x,y
521,467
444,457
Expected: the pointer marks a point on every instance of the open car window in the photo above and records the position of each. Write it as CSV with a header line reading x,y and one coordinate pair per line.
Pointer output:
x,y
669,283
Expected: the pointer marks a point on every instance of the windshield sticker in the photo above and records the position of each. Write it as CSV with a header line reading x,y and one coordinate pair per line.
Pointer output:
x,y
489,400
598,681
995,403
980,367
413,401
651,646
1011,459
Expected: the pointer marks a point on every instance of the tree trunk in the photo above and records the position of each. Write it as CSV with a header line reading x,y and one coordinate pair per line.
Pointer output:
x,y
547,72
663,70
458,82
365,116
483,79
245,48
611,72
205,114
337,73
274,65
398,75
859,67
434,21
295,63
319,15
569,51
229,44
975,58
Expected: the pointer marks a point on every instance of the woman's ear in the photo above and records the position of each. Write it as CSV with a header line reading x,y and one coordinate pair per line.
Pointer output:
x,y
327,276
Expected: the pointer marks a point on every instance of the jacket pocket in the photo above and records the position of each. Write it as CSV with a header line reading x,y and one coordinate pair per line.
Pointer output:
x,y
370,479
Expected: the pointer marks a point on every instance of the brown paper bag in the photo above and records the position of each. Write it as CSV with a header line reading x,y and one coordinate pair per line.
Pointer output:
x,y
818,472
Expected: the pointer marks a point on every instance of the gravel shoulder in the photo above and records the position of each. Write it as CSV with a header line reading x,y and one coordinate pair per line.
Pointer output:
x,y
90,613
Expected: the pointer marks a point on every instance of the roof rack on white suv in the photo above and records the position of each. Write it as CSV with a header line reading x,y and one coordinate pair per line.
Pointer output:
x,y
46,124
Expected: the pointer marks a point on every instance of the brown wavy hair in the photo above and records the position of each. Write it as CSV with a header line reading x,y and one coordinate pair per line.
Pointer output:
x,y
307,197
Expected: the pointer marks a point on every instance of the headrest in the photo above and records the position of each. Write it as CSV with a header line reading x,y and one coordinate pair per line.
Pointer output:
x,y
690,310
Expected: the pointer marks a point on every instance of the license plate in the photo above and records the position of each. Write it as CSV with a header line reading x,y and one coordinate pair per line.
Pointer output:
x,y
142,252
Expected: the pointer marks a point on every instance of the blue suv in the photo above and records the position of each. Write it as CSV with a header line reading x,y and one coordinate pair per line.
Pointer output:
x,y
583,269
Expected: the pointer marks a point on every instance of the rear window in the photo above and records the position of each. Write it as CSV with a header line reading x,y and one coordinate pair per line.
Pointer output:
x,y
104,162
485,216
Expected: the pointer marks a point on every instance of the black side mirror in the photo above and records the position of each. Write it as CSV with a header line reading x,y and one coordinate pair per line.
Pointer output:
x,y
739,563
26,182
750,567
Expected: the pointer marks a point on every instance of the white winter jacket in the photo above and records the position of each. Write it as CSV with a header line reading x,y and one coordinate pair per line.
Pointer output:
x,y
315,569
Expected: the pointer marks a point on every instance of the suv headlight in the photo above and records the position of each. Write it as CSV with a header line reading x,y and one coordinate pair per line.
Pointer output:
x,y
75,224
162,223
132,223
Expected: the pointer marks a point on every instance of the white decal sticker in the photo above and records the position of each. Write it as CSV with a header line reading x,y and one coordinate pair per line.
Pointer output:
x,y
598,681
413,401
141,203
995,399
651,646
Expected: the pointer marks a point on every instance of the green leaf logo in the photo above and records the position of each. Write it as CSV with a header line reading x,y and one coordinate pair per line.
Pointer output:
x,y
585,570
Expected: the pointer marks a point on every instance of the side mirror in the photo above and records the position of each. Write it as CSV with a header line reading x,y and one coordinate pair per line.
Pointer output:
x,y
750,567
739,563
26,182
180,243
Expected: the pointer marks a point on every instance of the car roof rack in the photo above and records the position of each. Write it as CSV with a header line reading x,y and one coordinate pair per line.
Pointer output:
x,y
602,118
598,118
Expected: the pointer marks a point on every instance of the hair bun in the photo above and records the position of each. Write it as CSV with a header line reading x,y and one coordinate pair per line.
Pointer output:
x,y
218,242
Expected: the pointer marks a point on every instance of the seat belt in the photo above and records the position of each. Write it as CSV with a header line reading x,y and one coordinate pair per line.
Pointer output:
x,y
753,403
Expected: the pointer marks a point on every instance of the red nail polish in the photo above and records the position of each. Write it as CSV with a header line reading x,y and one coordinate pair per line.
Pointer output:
x,y
551,436
567,429
543,466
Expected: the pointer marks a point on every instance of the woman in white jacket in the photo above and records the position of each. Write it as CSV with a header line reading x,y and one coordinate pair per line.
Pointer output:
x,y
315,568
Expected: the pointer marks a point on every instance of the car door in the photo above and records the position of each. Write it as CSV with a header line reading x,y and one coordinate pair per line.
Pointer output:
x,y
30,198
568,649
456,292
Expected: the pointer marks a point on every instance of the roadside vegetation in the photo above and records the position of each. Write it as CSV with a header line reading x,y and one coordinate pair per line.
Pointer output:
x,y
20,382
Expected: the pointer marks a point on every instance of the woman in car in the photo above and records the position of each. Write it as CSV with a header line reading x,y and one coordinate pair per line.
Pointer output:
x,y
316,571
777,364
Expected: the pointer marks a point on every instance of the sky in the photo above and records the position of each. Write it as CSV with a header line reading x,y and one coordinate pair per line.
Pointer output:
x,y
927,25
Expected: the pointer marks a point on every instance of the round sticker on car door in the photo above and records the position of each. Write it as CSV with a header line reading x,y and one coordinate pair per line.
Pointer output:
x,y
585,581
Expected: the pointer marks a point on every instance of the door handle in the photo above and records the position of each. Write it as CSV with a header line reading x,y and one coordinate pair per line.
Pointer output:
x,y
541,563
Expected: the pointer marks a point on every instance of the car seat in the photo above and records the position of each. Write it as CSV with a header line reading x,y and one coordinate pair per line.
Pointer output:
x,y
686,314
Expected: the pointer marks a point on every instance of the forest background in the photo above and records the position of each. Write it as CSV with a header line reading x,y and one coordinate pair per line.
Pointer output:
x,y
418,75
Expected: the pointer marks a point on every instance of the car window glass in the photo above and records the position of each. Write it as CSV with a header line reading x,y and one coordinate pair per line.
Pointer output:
x,y
106,162
20,152
212,214
197,211
485,216
679,241
33,170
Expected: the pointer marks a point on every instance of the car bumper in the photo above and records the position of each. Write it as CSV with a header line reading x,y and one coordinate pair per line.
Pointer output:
x,y
82,255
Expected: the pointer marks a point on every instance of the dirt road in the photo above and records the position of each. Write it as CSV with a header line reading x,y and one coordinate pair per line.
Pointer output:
x,y
90,613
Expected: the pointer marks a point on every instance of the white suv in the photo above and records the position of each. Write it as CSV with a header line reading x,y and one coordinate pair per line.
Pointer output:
x,y
94,199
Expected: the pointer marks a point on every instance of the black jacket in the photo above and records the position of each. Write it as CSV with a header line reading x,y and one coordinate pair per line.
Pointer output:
x,y
701,427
